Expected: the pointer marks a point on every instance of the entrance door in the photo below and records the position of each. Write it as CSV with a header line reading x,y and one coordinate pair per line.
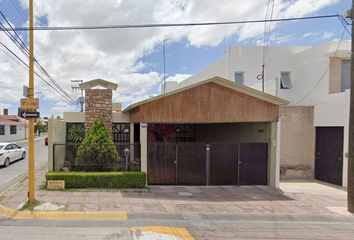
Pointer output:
x,y
329,154
253,163
191,163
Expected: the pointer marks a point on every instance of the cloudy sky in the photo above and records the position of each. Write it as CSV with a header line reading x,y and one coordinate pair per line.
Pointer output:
x,y
133,58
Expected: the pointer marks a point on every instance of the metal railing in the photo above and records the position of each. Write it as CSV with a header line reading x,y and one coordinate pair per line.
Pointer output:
x,y
96,157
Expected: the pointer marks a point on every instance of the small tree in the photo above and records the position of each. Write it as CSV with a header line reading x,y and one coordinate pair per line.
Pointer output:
x,y
97,152
40,127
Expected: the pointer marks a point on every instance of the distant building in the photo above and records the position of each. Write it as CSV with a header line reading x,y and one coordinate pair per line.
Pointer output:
x,y
12,127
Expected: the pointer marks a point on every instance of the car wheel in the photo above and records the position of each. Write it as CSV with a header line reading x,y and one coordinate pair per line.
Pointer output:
x,y
23,155
7,162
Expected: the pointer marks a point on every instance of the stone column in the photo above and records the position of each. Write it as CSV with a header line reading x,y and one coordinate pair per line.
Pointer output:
x,y
98,103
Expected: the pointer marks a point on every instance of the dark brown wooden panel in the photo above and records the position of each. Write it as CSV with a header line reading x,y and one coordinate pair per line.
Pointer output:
x,y
210,102
135,115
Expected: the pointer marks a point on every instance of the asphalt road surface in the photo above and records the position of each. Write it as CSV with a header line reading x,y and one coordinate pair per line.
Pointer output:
x,y
19,168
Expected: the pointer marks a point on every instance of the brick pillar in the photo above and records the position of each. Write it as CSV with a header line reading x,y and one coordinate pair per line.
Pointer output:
x,y
98,103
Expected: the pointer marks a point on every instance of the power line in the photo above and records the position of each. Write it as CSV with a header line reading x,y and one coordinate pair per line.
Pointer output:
x,y
54,41
45,28
343,22
18,59
42,47
320,80
25,51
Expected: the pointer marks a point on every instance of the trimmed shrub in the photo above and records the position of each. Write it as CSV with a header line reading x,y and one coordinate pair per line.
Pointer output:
x,y
99,179
97,152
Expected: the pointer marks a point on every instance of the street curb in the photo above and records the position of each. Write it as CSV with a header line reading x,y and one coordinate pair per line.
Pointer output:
x,y
15,214
11,213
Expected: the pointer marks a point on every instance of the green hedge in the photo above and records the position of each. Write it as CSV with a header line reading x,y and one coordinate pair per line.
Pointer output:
x,y
99,179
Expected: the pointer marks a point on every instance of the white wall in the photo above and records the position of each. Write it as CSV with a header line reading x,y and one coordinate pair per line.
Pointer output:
x,y
20,132
308,67
336,115
218,68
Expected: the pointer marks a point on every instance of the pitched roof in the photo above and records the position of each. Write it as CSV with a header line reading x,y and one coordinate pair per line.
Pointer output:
x,y
98,82
9,118
221,81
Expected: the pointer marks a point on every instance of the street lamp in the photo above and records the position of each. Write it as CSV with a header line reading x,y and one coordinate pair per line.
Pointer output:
x,y
126,154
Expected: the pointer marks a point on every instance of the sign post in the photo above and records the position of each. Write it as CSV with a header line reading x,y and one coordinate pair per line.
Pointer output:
x,y
31,120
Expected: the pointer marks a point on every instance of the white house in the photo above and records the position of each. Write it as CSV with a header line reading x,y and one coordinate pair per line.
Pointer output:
x,y
12,128
315,80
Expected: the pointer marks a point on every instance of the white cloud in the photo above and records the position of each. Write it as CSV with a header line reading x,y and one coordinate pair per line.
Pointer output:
x,y
178,77
327,35
277,38
4,105
116,54
61,104
310,34
66,108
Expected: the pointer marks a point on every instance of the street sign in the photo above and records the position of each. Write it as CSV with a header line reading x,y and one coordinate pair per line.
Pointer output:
x,y
25,91
27,104
30,115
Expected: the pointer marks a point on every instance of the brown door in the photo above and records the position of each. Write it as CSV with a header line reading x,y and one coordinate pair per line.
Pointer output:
x,y
329,154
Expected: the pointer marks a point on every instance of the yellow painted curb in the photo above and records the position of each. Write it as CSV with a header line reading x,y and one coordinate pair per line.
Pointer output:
x,y
11,213
181,233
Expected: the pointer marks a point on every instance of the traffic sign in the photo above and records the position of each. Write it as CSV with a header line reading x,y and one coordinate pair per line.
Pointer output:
x,y
30,114
27,104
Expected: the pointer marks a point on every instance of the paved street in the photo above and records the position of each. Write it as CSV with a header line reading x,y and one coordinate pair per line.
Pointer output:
x,y
300,210
18,169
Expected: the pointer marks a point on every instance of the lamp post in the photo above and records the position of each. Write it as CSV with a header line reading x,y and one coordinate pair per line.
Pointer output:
x,y
126,154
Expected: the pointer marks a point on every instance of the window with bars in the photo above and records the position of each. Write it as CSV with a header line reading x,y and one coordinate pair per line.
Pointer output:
x,y
121,132
13,129
185,133
2,130
71,126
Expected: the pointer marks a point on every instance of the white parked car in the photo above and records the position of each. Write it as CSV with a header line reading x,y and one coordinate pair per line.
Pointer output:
x,y
10,152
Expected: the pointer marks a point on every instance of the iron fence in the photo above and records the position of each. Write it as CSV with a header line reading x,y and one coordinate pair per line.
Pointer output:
x,y
96,157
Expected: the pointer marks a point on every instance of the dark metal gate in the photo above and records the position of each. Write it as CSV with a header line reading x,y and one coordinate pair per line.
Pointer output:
x,y
253,163
161,163
329,154
208,164
191,164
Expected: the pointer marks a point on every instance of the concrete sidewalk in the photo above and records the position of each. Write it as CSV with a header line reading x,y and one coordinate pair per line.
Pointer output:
x,y
310,198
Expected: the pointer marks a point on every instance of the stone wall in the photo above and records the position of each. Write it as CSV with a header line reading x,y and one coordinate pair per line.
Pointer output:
x,y
98,103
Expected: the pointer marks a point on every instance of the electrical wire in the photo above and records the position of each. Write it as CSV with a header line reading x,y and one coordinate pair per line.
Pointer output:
x,y
45,28
18,59
342,21
269,11
18,42
42,47
55,42
322,77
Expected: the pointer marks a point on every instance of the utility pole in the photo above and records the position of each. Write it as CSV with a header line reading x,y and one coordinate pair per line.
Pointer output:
x,y
350,194
31,120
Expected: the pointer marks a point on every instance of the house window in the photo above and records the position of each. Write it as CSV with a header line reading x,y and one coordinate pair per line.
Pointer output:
x,y
345,75
239,77
2,130
13,129
285,82
121,132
